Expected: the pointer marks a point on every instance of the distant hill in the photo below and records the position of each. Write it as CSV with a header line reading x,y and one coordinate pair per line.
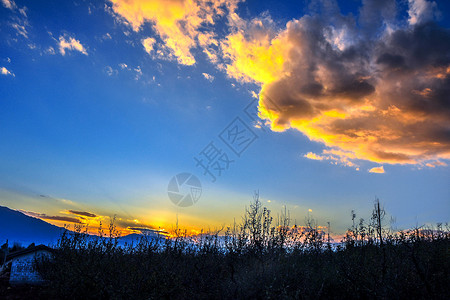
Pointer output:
x,y
18,227
134,238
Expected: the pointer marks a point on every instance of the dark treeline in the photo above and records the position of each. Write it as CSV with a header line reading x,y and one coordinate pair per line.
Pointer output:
x,y
259,258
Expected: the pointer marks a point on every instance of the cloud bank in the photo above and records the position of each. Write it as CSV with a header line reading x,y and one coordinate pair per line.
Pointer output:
x,y
368,93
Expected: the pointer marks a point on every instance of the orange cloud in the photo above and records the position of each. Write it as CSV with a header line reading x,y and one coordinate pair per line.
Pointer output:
x,y
436,164
70,43
382,99
379,170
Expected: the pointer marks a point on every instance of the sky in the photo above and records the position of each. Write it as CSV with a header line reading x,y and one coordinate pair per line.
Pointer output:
x,y
107,107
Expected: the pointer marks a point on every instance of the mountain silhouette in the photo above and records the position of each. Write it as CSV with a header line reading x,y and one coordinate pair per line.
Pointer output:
x,y
20,228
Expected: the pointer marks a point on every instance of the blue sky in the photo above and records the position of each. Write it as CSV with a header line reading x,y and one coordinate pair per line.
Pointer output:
x,y
91,120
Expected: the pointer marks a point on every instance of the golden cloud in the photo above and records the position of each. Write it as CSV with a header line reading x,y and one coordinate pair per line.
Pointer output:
x,y
258,60
314,156
379,170
179,23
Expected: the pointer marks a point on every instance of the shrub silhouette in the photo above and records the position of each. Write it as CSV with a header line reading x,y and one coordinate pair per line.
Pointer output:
x,y
255,259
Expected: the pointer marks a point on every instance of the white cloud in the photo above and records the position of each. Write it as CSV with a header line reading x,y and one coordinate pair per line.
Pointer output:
x,y
107,36
421,11
208,77
19,20
138,73
20,29
335,157
9,4
50,50
148,44
70,44
23,11
314,156
6,72
66,201
110,71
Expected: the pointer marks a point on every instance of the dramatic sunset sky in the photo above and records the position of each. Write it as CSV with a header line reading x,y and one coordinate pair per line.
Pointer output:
x,y
320,105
